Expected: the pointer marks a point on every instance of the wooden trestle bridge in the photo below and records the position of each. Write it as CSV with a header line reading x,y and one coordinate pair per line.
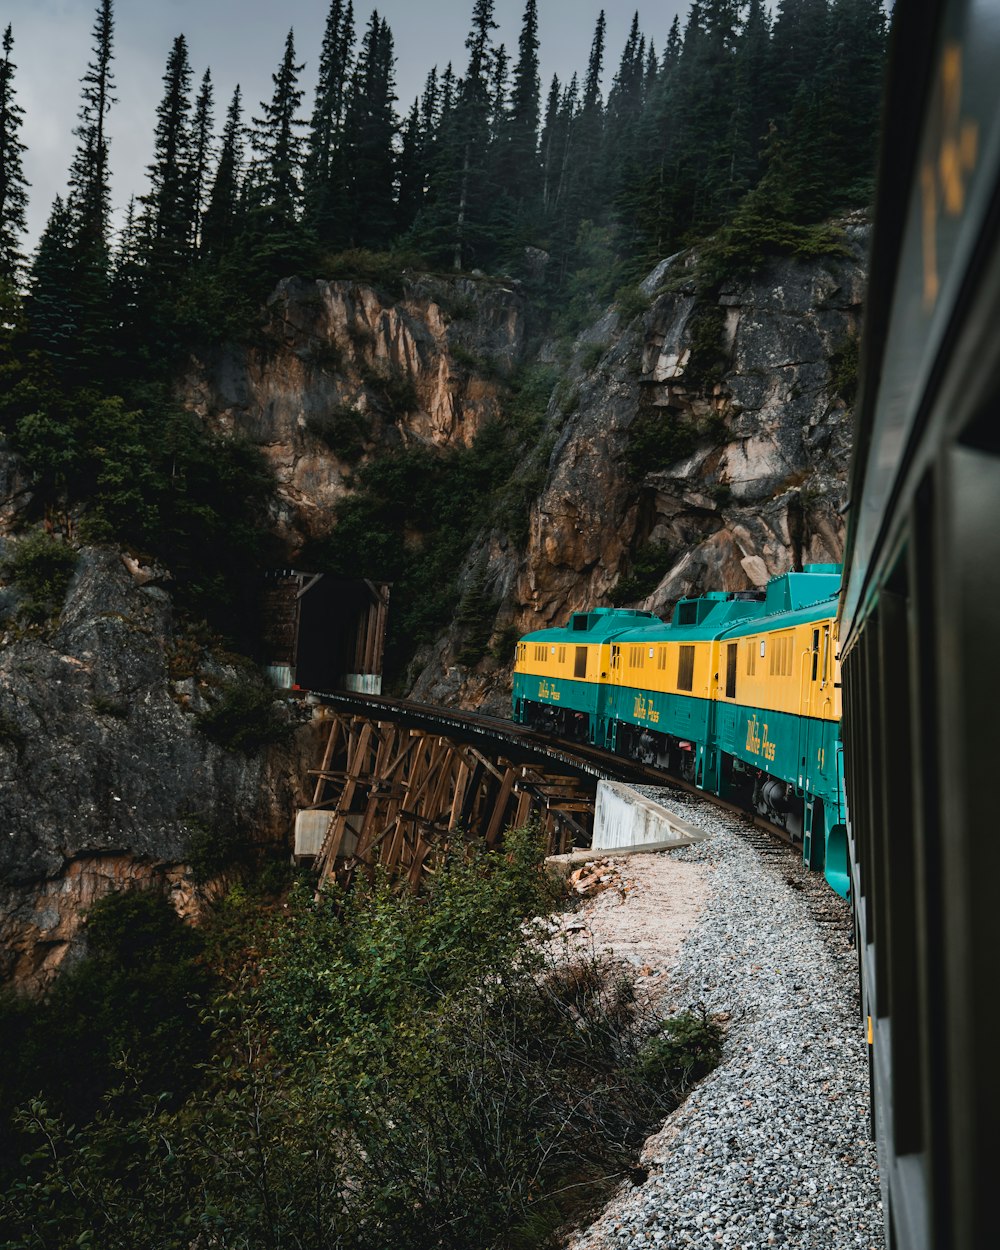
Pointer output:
x,y
399,784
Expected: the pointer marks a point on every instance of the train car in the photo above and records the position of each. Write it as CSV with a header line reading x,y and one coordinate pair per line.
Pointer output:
x,y
561,675
919,631
738,694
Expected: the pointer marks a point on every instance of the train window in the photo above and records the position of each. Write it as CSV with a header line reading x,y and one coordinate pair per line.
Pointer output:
x,y
685,668
661,658
815,651
580,662
825,670
616,656
731,651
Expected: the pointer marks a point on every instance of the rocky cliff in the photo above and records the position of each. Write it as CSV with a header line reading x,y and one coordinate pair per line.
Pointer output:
x,y
699,440
696,440
105,778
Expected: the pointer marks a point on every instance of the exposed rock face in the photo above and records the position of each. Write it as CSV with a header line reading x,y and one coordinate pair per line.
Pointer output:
x,y
758,493
103,775
102,771
339,372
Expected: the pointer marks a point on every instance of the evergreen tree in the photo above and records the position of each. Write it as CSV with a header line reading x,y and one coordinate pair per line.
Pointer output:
x,y
169,205
472,127
201,155
499,90
798,44
522,174
324,173
221,223
53,311
853,97
410,171
13,186
89,208
89,179
751,100
370,127
128,271
276,191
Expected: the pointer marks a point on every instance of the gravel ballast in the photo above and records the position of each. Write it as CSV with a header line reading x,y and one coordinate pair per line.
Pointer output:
x,y
772,1148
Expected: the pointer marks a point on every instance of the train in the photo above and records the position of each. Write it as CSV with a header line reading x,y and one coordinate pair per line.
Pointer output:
x,y
916,624
738,694
919,629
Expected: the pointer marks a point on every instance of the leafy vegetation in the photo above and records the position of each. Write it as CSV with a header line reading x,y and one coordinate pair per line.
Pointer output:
x,y
343,429
243,717
844,369
388,1069
41,567
649,564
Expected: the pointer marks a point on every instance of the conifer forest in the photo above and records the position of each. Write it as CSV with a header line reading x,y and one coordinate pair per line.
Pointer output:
x,y
272,1077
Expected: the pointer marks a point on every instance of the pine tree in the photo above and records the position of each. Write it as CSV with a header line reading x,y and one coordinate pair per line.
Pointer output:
x,y
53,308
751,100
798,44
276,191
201,156
13,186
169,205
472,125
324,173
221,222
89,179
410,171
89,207
522,174
852,100
370,129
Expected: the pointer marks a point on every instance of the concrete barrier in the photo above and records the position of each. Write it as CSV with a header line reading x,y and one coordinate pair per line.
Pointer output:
x,y
624,818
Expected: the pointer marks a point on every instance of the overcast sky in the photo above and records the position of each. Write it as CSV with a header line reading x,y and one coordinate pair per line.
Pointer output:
x,y
242,42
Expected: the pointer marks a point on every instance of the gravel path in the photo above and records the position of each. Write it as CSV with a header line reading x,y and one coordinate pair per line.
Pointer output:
x,y
772,1148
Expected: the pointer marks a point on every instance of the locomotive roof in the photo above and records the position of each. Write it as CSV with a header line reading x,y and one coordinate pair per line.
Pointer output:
x,y
793,598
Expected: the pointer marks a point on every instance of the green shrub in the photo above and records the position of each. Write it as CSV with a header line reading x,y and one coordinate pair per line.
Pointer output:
x,y
686,1048
590,356
447,1078
394,391
243,718
649,565
345,430
383,270
659,438
709,359
844,369
42,568
631,301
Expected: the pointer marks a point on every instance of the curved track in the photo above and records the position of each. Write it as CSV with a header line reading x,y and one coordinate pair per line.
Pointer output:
x,y
578,756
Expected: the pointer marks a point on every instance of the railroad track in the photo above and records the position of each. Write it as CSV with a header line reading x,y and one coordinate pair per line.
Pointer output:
x,y
581,757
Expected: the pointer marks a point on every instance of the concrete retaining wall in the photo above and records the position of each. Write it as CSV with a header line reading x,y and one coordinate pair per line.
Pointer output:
x,y
625,818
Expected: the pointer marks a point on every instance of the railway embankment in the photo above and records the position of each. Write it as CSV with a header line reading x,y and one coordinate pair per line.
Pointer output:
x,y
772,1148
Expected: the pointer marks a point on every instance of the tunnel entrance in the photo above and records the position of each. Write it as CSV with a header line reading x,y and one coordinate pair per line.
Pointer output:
x,y
323,632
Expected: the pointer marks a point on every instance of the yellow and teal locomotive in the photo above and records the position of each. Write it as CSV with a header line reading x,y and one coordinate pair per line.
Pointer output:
x,y
738,694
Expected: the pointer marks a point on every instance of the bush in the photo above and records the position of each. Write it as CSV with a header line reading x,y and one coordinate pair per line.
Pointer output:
x,y
394,391
650,563
243,718
42,568
420,1072
844,369
345,430
590,356
631,301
